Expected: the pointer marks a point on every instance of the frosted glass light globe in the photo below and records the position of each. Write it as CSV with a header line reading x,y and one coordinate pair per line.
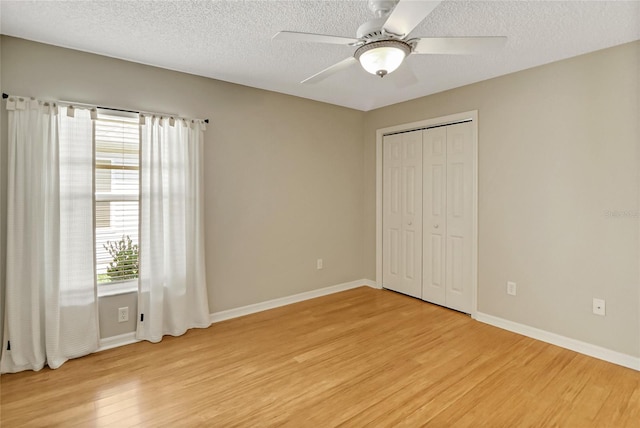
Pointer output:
x,y
382,58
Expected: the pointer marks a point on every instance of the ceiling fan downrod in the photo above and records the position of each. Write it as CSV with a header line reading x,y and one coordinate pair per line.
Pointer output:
x,y
381,8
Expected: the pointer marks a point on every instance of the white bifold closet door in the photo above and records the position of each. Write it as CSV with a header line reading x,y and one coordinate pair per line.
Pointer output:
x,y
427,217
402,213
448,219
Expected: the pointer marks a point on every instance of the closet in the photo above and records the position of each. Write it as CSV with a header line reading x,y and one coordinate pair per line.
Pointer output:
x,y
428,182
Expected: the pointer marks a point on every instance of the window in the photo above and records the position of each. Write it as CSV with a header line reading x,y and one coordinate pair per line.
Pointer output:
x,y
103,185
117,180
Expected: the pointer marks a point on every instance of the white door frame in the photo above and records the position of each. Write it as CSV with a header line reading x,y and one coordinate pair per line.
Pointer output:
x,y
444,120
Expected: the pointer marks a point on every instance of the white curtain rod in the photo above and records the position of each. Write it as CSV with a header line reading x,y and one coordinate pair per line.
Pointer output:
x,y
5,96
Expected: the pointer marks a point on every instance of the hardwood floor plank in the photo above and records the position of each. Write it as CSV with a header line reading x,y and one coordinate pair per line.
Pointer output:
x,y
362,357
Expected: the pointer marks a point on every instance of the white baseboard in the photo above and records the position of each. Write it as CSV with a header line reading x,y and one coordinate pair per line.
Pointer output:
x,y
287,300
129,338
562,341
115,341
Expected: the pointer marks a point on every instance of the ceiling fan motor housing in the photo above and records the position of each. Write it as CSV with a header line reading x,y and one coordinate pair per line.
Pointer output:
x,y
371,30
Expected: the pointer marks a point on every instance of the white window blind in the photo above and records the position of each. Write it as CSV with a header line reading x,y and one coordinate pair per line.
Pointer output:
x,y
117,179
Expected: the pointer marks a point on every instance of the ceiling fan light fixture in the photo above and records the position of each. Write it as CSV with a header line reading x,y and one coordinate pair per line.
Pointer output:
x,y
382,57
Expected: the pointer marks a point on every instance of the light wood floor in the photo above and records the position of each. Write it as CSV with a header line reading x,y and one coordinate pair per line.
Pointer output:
x,y
363,357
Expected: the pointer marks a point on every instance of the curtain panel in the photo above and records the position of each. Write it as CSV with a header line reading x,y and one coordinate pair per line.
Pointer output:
x,y
172,287
51,310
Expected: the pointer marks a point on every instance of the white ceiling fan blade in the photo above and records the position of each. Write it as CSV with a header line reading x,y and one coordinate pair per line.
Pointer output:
x,y
458,45
335,68
404,76
407,15
314,38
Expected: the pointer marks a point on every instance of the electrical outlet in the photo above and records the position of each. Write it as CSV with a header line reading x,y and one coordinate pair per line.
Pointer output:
x,y
599,306
319,264
511,288
123,314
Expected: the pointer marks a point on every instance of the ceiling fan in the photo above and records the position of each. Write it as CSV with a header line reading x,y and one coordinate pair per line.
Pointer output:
x,y
382,43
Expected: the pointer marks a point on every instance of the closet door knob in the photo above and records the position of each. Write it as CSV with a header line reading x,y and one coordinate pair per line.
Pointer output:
x,y
410,223
436,226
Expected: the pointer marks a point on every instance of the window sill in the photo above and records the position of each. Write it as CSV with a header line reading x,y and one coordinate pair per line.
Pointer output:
x,y
116,288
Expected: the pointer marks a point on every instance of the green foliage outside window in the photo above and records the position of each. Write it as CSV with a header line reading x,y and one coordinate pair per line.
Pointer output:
x,y
124,263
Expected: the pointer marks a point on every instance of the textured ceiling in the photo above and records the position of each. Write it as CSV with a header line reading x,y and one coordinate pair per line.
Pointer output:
x,y
231,40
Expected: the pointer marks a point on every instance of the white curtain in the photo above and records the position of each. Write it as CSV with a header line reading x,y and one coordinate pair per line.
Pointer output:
x,y
172,287
51,311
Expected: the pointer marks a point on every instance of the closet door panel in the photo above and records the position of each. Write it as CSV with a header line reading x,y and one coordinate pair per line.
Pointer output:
x,y
412,212
435,214
392,217
402,213
459,218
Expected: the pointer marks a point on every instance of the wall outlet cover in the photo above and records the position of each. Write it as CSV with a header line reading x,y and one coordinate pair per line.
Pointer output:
x,y
123,314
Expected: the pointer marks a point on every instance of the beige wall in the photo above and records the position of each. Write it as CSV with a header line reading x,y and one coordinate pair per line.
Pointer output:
x,y
283,176
558,149
290,180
